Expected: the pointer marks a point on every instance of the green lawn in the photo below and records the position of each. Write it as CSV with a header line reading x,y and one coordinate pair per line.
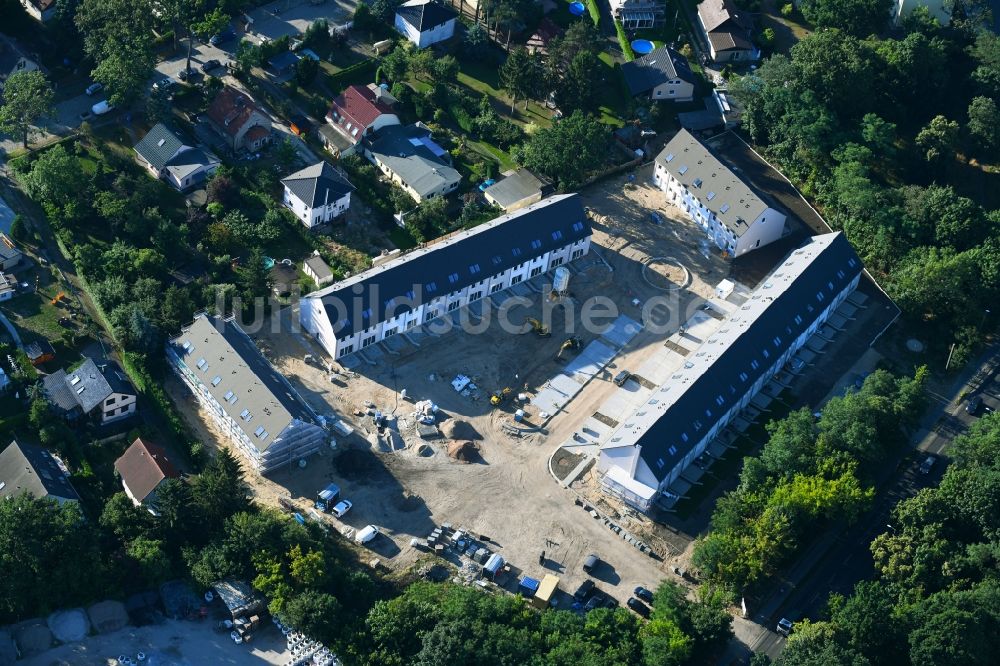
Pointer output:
x,y
484,78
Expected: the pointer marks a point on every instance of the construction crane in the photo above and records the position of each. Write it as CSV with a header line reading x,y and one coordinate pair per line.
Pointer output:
x,y
570,344
539,328
501,396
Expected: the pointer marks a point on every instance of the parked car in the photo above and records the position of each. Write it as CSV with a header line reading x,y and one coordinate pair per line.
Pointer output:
x,y
342,507
595,601
644,594
94,88
622,377
975,402
584,591
164,84
209,65
367,534
591,563
223,37
639,607
928,464
101,108
785,626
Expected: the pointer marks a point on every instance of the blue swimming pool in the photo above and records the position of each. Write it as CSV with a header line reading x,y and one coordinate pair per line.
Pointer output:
x,y
642,46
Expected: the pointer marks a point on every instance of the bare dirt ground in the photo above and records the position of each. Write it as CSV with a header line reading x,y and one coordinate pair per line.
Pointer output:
x,y
509,495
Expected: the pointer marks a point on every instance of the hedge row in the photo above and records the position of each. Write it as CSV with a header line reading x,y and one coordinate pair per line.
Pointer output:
x,y
623,42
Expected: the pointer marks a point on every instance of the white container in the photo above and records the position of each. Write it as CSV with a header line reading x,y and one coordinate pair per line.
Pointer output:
x,y
560,283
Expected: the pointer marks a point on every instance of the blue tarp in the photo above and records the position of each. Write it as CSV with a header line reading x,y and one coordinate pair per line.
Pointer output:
x,y
528,586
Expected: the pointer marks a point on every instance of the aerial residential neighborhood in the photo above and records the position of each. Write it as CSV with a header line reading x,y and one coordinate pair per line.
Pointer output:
x,y
633,332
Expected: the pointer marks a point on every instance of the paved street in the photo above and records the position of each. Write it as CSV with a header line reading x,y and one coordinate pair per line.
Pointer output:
x,y
838,561
292,17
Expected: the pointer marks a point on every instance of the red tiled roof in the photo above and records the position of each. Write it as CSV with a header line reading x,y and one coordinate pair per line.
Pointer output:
x,y
143,466
231,109
357,105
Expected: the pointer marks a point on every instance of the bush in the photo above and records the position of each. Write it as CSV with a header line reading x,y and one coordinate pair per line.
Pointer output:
x,y
623,42
788,10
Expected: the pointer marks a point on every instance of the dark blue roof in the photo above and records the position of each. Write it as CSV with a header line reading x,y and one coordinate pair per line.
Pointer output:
x,y
526,234
664,440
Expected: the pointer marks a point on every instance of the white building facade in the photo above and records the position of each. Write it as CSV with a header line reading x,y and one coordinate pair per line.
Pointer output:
x,y
438,279
652,447
254,406
734,217
425,22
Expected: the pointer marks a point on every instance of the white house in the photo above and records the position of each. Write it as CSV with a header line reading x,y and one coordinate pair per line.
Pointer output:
x,y
164,156
425,22
317,194
251,403
99,391
662,75
646,454
735,218
409,157
437,279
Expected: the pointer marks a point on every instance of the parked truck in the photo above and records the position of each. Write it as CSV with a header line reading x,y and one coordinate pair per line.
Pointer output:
x,y
328,497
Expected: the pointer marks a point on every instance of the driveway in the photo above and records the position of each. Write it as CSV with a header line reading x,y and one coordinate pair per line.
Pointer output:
x,y
202,53
292,17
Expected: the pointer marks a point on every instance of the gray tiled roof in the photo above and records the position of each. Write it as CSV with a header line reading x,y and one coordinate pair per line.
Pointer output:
x,y
319,268
86,387
31,469
415,164
188,161
425,15
246,381
655,68
158,146
318,184
719,189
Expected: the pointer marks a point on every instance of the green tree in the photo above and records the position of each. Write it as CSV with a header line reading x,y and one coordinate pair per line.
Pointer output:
x,y
664,644
938,139
314,613
253,279
568,150
857,17
248,56
306,70
27,97
56,177
204,26
220,491
984,123
124,520
879,134
117,35
151,560
520,76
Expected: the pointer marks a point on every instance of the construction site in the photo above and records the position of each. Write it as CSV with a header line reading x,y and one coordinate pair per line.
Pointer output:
x,y
496,432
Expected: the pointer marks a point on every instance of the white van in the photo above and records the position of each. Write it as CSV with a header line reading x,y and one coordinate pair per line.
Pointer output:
x,y
367,534
101,108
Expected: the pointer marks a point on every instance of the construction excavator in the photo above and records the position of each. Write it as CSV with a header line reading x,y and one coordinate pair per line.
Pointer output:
x,y
570,344
540,329
501,396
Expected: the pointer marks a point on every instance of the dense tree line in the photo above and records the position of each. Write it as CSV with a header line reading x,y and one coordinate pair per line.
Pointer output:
x,y
810,472
431,624
936,598
885,134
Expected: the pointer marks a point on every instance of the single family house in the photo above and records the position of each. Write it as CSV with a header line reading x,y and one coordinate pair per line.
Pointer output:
x,y
238,120
143,468
164,156
354,115
100,391
411,159
425,22
317,194
727,31
661,75
35,471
